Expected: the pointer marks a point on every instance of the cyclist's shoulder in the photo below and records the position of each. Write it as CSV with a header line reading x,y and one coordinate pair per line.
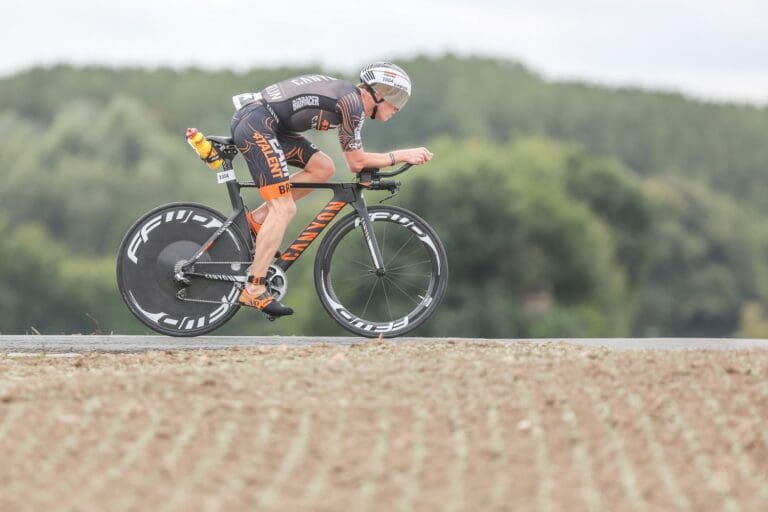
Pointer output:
x,y
317,78
322,85
350,102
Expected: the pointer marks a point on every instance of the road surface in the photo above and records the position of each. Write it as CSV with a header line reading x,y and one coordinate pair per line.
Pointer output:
x,y
82,344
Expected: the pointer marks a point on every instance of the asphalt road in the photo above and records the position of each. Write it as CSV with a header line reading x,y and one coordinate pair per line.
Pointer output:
x,y
82,344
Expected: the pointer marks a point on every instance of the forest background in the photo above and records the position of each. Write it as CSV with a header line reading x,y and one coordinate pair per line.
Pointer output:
x,y
567,209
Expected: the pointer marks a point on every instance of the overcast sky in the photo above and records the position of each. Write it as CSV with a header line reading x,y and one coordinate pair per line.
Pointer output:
x,y
710,49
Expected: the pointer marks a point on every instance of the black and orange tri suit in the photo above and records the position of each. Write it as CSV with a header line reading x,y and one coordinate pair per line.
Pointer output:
x,y
267,125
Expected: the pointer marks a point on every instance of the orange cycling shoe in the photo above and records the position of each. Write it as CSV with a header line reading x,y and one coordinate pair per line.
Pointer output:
x,y
264,302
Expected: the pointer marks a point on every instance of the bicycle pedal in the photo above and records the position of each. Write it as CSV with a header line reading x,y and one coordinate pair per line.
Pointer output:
x,y
270,317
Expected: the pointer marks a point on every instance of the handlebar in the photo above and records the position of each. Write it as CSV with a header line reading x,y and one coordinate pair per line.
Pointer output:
x,y
389,185
370,178
401,170
373,176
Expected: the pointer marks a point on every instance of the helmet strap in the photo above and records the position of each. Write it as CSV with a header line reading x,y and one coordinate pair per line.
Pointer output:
x,y
375,101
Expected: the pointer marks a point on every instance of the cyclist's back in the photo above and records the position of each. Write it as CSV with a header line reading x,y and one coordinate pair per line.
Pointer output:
x,y
307,102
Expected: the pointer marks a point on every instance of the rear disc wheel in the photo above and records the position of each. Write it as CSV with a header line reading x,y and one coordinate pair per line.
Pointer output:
x,y
152,252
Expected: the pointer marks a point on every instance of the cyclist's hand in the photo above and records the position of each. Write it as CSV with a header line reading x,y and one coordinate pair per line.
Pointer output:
x,y
416,156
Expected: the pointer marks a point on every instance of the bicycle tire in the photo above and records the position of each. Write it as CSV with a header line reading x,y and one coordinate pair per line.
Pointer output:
x,y
343,303
145,269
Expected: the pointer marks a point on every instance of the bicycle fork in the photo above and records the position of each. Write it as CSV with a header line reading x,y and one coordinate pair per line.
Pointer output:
x,y
370,237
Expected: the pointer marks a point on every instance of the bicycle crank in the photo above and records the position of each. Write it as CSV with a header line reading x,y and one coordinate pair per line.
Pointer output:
x,y
275,281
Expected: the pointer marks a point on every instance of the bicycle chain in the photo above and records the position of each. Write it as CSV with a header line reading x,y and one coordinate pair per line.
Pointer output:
x,y
181,295
183,291
246,263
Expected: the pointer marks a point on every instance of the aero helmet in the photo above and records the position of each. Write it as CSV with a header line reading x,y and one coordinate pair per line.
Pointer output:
x,y
389,80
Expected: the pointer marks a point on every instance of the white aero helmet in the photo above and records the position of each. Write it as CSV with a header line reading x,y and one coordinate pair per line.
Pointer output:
x,y
389,80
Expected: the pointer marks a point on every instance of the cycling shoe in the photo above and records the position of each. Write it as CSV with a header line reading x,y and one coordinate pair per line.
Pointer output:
x,y
264,302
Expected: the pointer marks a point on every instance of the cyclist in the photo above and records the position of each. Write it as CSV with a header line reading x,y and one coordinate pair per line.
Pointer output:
x,y
266,128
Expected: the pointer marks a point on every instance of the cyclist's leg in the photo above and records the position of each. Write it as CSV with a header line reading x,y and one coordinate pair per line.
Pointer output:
x,y
316,167
254,136
280,211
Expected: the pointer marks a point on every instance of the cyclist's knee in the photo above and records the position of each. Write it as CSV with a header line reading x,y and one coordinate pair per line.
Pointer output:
x,y
320,166
284,207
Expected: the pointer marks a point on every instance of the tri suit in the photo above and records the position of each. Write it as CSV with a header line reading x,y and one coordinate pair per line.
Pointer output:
x,y
267,126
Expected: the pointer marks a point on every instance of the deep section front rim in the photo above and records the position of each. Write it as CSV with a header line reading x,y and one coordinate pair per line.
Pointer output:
x,y
389,303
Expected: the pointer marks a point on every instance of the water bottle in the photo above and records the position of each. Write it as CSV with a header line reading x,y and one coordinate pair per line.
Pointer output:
x,y
204,148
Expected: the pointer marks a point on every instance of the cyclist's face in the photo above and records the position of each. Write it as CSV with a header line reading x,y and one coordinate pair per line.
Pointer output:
x,y
386,111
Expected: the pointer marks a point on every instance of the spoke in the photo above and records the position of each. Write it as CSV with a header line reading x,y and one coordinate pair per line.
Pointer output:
x,y
407,274
419,248
356,262
383,241
416,283
409,265
345,272
419,288
402,247
345,278
348,286
346,251
349,265
403,291
375,284
386,298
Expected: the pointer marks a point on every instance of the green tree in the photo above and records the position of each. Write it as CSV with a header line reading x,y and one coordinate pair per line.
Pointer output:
x,y
589,211
527,258
707,264
50,290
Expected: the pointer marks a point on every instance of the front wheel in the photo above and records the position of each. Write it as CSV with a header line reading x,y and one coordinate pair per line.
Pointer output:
x,y
389,302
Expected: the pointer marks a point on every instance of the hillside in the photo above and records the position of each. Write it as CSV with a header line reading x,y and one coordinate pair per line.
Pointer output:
x,y
571,210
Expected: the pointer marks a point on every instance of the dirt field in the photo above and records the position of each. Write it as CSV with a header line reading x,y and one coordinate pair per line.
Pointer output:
x,y
386,426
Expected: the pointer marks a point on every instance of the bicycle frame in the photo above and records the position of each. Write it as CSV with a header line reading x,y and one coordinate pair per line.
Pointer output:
x,y
343,194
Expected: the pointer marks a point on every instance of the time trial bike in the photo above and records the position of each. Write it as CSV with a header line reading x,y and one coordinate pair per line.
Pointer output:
x,y
379,271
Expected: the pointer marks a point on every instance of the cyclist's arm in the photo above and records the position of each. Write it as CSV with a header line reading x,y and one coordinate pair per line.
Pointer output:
x,y
358,159
350,107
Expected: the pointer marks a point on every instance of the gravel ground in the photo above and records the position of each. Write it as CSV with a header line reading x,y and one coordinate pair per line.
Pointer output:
x,y
386,426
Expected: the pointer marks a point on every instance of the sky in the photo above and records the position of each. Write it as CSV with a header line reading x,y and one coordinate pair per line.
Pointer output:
x,y
713,50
